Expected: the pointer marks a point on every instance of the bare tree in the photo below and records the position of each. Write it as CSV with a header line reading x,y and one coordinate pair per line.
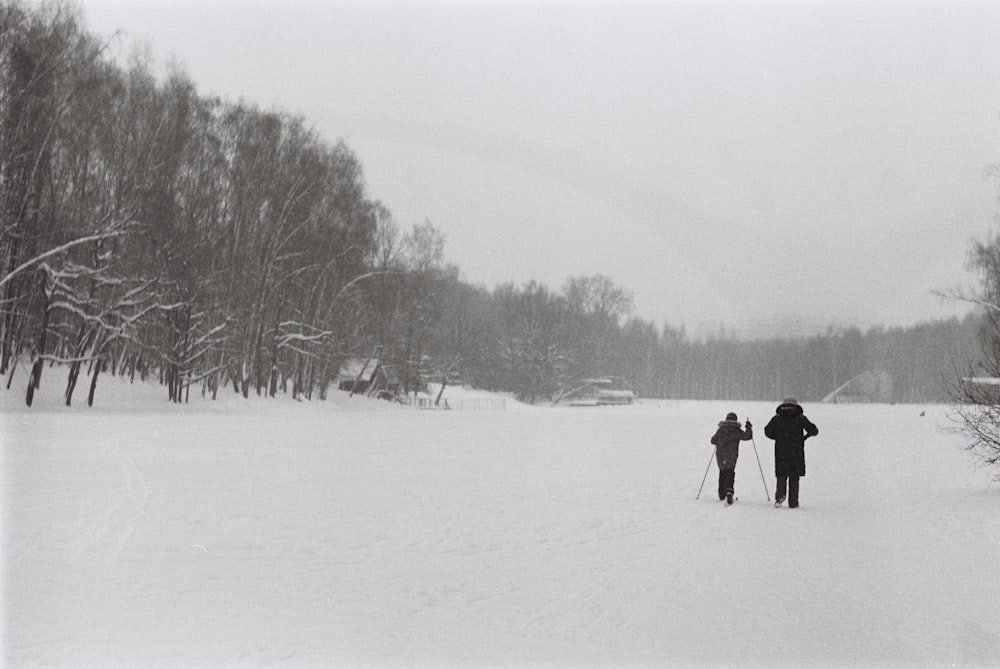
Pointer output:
x,y
533,339
976,392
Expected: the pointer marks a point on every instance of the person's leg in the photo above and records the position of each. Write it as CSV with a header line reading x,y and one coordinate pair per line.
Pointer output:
x,y
730,478
731,481
779,491
793,492
722,484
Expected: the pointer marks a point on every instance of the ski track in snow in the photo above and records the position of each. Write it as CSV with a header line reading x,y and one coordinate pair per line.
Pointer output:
x,y
314,535
107,534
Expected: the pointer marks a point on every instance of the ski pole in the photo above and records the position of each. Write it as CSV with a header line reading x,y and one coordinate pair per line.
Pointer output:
x,y
706,475
766,494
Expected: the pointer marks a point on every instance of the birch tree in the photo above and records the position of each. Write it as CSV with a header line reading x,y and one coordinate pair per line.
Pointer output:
x,y
976,395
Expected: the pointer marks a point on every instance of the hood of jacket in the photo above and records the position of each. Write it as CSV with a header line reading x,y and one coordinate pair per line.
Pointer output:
x,y
789,409
730,424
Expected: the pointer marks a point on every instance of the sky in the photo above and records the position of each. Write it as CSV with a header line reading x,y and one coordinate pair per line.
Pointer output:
x,y
739,163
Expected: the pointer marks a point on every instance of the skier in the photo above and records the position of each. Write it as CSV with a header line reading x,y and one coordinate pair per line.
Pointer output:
x,y
727,448
789,428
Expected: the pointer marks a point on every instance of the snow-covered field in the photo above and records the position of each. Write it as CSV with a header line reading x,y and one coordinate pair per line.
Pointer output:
x,y
357,534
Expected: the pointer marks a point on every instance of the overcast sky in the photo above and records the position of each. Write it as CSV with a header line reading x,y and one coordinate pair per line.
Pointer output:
x,y
730,161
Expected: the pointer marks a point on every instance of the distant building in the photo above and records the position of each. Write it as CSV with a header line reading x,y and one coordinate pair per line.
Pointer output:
x,y
604,391
868,386
369,377
982,389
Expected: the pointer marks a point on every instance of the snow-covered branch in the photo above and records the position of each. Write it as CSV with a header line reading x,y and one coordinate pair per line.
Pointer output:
x,y
56,251
358,278
961,296
284,339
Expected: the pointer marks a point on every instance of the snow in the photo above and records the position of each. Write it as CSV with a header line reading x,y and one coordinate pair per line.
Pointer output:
x,y
355,533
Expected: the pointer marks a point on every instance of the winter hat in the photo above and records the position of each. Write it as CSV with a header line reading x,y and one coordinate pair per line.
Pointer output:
x,y
789,400
731,416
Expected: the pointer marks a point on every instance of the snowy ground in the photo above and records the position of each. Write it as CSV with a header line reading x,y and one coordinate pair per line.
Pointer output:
x,y
352,533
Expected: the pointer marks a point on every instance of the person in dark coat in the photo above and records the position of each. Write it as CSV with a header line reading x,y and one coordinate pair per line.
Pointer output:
x,y
789,428
727,449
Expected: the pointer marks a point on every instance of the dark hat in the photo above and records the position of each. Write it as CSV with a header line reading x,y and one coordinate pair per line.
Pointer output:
x,y
731,416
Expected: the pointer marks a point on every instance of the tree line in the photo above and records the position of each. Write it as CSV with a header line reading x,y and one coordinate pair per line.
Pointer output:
x,y
150,231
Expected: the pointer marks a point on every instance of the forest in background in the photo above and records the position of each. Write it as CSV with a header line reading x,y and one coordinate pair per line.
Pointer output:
x,y
147,230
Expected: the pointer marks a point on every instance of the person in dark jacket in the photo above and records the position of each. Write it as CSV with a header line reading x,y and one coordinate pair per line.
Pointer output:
x,y
727,448
789,428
